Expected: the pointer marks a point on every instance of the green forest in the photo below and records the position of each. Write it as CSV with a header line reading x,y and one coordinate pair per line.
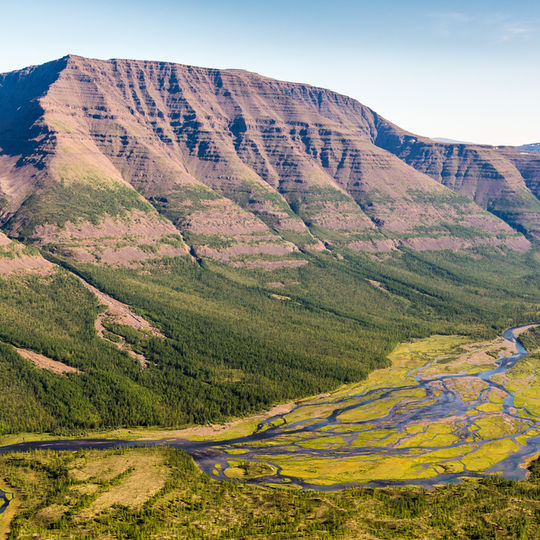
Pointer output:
x,y
235,343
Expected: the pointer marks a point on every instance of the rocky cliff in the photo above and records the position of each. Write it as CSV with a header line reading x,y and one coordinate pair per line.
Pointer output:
x,y
503,180
119,161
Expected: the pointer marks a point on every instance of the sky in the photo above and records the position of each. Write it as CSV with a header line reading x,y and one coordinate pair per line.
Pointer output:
x,y
468,71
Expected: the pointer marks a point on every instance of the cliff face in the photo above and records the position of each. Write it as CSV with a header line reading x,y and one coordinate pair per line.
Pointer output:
x,y
503,180
239,167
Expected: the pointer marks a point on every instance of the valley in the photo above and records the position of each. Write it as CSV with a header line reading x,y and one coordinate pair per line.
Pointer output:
x,y
446,410
454,434
233,306
441,413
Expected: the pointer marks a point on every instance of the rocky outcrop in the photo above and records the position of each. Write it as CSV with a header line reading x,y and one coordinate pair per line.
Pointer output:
x,y
15,258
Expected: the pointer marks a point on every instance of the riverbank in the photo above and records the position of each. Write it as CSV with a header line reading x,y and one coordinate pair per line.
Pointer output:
x,y
445,410
8,508
237,427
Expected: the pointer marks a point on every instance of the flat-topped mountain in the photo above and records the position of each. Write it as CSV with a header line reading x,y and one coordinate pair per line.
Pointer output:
x,y
213,242
118,161
534,147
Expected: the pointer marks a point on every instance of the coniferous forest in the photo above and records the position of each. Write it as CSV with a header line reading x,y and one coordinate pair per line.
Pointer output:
x,y
232,345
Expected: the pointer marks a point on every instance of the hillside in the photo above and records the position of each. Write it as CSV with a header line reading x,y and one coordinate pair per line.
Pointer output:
x,y
249,170
173,237
503,180
534,147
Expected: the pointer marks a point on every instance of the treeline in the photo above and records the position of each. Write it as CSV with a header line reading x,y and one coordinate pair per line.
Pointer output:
x,y
531,340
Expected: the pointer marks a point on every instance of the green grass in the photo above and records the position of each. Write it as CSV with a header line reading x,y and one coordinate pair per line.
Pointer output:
x,y
75,202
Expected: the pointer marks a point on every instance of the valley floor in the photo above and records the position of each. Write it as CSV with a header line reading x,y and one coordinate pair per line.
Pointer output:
x,y
159,493
446,410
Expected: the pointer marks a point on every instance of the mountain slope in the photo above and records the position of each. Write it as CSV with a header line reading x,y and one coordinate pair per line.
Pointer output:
x,y
503,180
237,216
247,169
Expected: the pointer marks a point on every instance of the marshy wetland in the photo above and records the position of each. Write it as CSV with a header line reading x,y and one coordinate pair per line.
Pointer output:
x,y
446,409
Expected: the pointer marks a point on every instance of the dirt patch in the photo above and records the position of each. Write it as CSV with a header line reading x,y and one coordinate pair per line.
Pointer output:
x,y
13,259
46,363
135,223
280,297
342,216
378,285
4,240
224,218
216,429
498,346
26,264
123,256
250,249
120,313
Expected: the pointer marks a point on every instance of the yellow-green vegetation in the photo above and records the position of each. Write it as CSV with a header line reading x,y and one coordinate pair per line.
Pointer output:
x,y
488,454
523,377
322,442
246,470
496,426
87,494
399,424
489,407
236,451
436,434
235,428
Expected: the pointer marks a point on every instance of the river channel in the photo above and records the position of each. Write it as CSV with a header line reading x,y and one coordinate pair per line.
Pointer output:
x,y
352,428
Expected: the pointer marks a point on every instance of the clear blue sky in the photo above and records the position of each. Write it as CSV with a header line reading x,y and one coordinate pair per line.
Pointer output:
x,y
463,70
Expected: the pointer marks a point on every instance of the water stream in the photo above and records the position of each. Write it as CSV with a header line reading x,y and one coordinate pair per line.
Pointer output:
x,y
440,402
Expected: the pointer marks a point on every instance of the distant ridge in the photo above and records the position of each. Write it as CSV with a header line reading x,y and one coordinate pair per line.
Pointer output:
x,y
534,147
450,141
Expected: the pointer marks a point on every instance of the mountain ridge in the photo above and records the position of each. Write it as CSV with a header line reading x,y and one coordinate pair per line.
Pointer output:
x,y
533,147
254,224
244,168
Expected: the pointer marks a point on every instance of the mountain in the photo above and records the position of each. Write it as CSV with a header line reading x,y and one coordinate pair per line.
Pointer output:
x,y
182,244
446,140
121,161
534,147
503,180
